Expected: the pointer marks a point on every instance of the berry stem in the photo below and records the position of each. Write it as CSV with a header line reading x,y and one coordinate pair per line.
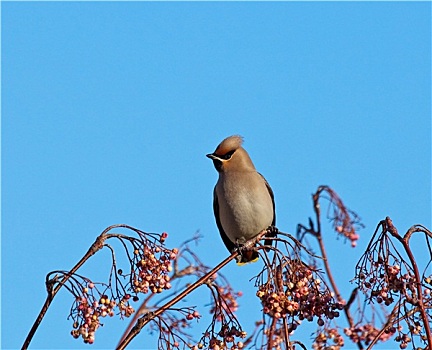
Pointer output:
x,y
140,322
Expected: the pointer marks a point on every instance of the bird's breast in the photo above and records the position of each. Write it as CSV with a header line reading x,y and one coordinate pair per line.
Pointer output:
x,y
245,205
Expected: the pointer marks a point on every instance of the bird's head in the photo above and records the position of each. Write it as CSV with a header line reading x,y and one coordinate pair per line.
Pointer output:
x,y
231,156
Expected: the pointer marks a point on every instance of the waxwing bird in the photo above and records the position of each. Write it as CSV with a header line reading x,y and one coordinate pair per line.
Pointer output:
x,y
243,201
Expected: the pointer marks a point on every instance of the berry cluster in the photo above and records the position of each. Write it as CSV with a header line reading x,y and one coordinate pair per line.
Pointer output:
x,y
275,337
385,280
367,333
222,340
348,232
151,266
277,305
229,304
171,328
178,323
323,337
404,340
427,289
125,309
344,221
88,309
302,295
89,314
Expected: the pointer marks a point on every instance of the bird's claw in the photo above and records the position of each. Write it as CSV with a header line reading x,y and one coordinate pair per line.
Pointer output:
x,y
272,231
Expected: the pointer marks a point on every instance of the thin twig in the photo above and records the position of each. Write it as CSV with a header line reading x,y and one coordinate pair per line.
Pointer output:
x,y
134,329
405,243
52,291
318,235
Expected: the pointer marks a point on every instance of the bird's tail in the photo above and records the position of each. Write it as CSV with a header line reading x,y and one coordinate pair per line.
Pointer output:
x,y
247,256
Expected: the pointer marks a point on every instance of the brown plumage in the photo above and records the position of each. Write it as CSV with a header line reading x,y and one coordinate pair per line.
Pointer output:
x,y
243,201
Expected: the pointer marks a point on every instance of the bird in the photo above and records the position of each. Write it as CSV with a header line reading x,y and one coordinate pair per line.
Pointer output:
x,y
243,201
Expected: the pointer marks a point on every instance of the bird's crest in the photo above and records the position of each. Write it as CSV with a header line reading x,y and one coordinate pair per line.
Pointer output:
x,y
229,144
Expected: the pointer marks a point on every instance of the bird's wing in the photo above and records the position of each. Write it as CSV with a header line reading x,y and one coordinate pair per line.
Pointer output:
x,y
272,198
230,245
269,241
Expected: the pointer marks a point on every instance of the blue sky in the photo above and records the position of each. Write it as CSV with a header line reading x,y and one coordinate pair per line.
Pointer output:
x,y
108,110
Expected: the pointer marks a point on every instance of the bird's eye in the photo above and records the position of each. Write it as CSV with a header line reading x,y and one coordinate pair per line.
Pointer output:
x,y
228,155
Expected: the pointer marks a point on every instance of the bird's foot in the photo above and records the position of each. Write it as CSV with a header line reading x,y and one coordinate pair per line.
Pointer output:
x,y
248,245
247,252
246,255
272,231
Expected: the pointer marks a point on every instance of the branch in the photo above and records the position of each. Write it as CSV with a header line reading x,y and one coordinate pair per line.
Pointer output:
x,y
405,243
95,247
133,330
318,235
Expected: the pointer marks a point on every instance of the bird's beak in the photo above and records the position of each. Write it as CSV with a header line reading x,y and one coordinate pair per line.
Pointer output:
x,y
211,156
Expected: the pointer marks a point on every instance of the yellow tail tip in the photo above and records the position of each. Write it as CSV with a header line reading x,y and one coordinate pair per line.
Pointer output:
x,y
241,263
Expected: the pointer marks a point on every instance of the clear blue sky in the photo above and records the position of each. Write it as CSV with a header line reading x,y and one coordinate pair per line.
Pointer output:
x,y
108,110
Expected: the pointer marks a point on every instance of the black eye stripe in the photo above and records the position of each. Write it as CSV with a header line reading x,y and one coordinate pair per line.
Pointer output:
x,y
228,155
